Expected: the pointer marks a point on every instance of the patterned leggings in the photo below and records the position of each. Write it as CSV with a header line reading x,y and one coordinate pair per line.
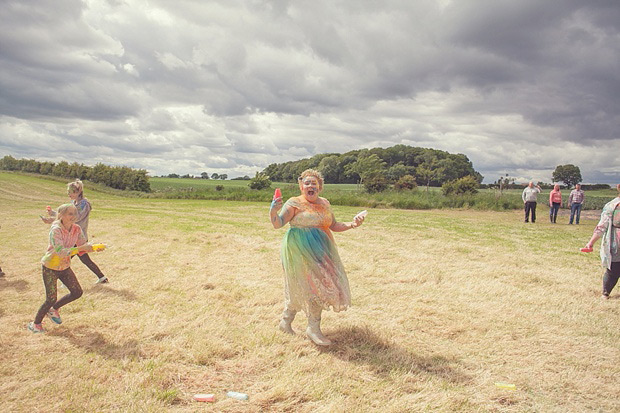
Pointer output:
x,y
50,278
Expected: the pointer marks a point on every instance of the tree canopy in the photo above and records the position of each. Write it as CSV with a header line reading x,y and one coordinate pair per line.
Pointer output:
x,y
432,167
569,174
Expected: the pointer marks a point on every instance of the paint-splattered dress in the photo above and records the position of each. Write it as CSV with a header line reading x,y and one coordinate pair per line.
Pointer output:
x,y
312,266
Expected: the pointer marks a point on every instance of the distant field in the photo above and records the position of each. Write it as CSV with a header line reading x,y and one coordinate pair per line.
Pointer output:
x,y
161,184
446,303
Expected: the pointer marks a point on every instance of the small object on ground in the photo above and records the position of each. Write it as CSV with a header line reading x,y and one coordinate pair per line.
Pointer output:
x,y
49,208
360,215
505,386
277,194
586,249
237,395
204,397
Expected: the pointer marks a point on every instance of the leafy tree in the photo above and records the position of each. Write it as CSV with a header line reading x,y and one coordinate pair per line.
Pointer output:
x,y
215,175
330,168
8,163
429,171
223,176
61,169
173,175
397,171
260,181
365,166
569,174
204,175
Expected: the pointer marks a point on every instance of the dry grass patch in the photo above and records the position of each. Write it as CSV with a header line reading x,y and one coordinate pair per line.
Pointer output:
x,y
446,303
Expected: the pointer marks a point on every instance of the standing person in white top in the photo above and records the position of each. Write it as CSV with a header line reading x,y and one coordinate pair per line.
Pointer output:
x,y
530,193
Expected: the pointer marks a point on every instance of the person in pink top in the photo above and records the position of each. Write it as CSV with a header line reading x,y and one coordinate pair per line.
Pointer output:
x,y
555,201
65,239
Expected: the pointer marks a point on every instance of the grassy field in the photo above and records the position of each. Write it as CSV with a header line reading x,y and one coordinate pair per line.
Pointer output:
x,y
445,304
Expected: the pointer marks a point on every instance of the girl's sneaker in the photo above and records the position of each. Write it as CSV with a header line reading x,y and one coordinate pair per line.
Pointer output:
x,y
102,280
54,316
35,328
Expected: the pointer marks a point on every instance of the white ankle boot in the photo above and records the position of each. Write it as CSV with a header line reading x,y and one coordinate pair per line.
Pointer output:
x,y
285,323
313,331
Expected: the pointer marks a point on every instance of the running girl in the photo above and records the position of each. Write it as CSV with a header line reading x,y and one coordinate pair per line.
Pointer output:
x,y
65,237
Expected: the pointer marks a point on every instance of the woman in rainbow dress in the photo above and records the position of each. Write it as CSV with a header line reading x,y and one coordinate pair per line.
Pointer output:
x,y
315,279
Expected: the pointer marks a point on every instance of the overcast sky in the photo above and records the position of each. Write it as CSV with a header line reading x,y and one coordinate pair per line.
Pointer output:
x,y
231,86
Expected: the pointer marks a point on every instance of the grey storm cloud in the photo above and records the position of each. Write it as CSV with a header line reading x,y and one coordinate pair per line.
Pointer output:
x,y
231,86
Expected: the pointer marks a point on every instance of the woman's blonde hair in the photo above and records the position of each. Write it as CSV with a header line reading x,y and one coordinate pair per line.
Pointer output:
x,y
314,173
62,210
76,187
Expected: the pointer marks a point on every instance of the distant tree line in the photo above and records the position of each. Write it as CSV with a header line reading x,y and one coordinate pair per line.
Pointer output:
x,y
119,177
205,175
429,167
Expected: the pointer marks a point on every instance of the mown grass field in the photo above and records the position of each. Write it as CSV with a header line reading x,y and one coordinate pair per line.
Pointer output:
x,y
445,304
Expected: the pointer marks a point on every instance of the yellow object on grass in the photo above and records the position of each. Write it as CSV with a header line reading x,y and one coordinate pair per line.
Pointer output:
x,y
506,386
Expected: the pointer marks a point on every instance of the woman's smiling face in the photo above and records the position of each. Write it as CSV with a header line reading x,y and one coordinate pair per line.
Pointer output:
x,y
310,188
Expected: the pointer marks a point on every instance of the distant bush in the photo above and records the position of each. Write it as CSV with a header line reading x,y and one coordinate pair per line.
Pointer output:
x,y
461,186
376,183
593,187
219,187
406,182
260,181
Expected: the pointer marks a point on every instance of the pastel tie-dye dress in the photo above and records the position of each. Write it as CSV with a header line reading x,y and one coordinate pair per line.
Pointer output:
x,y
312,266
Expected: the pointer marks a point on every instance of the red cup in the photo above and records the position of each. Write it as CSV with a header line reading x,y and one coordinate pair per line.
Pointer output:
x,y
586,249
277,194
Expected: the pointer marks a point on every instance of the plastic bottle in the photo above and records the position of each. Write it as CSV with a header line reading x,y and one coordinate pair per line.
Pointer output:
x,y
277,194
360,215
204,397
237,395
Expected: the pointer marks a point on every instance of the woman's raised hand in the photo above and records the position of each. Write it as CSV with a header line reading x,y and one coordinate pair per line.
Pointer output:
x,y
276,204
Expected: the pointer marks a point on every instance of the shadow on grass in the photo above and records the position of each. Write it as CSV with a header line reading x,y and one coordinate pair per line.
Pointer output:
x,y
360,345
103,290
18,285
91,340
